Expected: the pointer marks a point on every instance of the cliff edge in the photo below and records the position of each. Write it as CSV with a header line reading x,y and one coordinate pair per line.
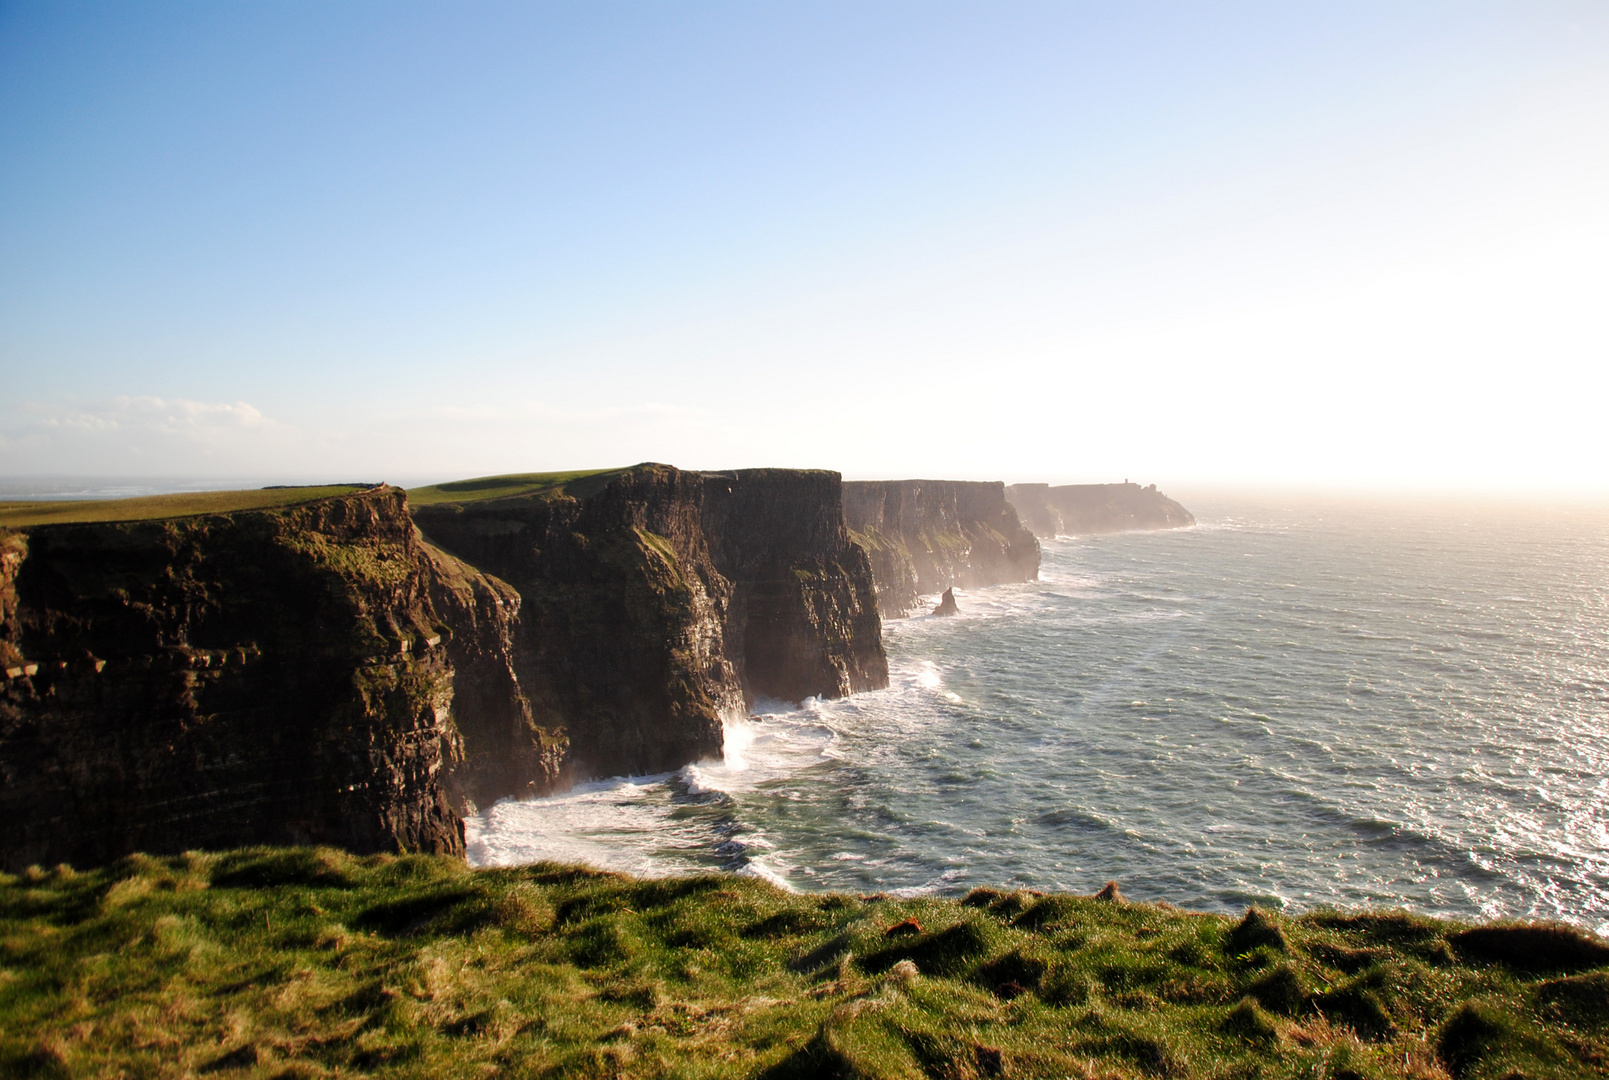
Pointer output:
x,y
924,536
1090,509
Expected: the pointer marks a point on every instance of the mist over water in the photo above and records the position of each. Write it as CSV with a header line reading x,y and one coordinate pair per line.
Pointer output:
x,y
1297,703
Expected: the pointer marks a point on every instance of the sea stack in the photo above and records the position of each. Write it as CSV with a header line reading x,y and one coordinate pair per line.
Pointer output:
x,y
947,604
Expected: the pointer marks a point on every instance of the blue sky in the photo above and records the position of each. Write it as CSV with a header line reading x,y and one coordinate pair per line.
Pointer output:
x,y
1350,244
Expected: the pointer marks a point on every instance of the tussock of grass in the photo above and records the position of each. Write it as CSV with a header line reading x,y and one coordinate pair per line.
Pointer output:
x,y
1541,947
312,963
19,515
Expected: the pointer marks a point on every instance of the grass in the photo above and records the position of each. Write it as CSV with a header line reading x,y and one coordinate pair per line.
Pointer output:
x,y
305,963
24,514
28,513
514,485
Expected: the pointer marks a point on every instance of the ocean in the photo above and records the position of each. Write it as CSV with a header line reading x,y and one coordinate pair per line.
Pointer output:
x,y
1301,702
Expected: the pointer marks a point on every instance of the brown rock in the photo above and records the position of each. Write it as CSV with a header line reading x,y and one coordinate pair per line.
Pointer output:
x,y
1111,893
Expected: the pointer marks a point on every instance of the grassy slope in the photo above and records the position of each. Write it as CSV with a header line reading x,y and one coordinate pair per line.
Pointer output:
x,y
312,963
513,485
27,513
18,515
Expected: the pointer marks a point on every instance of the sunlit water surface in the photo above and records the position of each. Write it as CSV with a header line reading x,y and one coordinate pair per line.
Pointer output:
x,y
1297,703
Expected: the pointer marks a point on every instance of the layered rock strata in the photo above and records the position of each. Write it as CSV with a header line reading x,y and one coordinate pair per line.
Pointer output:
x,y
1090,509
274,677
656,601
924,536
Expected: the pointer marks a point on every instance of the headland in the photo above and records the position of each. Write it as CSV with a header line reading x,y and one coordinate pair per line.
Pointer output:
x,y
1094,509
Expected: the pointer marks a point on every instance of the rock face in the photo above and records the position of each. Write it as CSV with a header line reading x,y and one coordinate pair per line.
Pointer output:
x,y
927,535
502,750
655,601
1088,509
258,677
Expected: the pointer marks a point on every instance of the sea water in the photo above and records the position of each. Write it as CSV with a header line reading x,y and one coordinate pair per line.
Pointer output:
x,y
1296,703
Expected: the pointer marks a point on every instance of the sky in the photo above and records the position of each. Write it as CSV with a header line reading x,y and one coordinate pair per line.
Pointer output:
x,y
1334,245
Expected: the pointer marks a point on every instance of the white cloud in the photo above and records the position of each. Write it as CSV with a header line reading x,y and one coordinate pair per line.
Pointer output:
x,y
142,434
198,420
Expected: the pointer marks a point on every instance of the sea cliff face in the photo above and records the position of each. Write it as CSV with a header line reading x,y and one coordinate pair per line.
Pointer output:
x,y
655,601
320,674
924,536
259,677
1088,509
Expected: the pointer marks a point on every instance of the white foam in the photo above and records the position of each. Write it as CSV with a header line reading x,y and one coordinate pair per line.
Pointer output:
x,y
758,868
632,824
693,780
616,824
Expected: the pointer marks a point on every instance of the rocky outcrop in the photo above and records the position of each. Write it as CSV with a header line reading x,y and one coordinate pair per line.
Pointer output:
x,y
947,604
926,535
655,601
269,677
1089,509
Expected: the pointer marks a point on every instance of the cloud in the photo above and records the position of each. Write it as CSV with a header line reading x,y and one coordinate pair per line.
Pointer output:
x,y
201,421
141,435
519,412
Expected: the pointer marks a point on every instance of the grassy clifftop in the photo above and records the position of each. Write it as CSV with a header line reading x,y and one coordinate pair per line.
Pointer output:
x,y
513,485
19,514
301,963
25,514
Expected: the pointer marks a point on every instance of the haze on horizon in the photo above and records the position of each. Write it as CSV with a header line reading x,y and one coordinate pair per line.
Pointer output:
x,y
1354,245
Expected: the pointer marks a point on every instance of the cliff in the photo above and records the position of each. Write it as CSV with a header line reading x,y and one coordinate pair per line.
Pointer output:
x,y
1088,509
654,601
268,676
924,536
317,673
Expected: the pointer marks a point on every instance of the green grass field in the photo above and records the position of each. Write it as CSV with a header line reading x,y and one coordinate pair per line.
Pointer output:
x,y
304,963
513,485
18,515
